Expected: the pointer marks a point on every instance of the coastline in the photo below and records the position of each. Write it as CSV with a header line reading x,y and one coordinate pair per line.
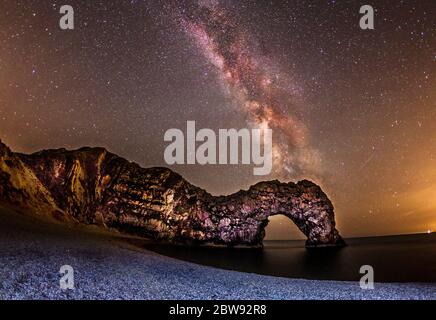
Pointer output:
x,y
107,267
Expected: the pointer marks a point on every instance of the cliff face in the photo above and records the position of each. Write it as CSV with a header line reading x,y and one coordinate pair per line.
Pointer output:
x,y
93,186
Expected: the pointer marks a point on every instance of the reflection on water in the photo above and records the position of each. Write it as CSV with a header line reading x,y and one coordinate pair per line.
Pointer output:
x,y
409,258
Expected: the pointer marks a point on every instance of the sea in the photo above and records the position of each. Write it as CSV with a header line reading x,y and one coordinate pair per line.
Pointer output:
x,y
402,258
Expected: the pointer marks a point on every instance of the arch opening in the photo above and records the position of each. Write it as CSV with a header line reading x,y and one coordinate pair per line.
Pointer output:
x,y
281,227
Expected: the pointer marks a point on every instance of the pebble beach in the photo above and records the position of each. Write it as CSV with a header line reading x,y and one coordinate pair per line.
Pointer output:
x,y
108,267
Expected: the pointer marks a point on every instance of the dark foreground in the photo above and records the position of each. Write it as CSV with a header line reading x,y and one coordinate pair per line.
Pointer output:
x,y
107,267
407,258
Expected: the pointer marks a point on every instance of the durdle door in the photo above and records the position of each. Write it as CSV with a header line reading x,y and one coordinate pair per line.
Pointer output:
x,y
94,186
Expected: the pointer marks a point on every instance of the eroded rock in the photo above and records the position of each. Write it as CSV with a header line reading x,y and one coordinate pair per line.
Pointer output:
x,y
93,186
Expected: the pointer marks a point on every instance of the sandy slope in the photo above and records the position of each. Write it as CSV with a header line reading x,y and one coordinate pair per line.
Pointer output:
x,y
106,267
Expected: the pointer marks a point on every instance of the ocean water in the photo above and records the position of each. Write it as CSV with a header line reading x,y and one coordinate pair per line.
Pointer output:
x,y
405,258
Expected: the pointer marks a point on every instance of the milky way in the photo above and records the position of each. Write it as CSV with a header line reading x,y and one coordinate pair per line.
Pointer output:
x,y
352,110
267,96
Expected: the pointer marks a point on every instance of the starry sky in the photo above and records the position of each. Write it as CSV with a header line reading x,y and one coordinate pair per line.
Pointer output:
x,y
353,110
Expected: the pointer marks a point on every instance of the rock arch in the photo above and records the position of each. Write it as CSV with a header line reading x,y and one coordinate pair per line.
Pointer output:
x,y
93,186
244,215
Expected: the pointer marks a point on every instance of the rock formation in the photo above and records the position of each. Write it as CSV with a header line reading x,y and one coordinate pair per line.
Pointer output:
x,y
94,186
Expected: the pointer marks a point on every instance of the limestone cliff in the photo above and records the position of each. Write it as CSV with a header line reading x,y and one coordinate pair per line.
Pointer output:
x,y
94,186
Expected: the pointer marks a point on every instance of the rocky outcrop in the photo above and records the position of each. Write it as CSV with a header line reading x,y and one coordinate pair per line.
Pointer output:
x,y
94,186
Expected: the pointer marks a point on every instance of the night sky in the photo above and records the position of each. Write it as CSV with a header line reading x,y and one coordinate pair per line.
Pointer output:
x,y
353,110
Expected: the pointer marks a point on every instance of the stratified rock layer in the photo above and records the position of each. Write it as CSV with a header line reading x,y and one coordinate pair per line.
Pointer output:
x,y
93,186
